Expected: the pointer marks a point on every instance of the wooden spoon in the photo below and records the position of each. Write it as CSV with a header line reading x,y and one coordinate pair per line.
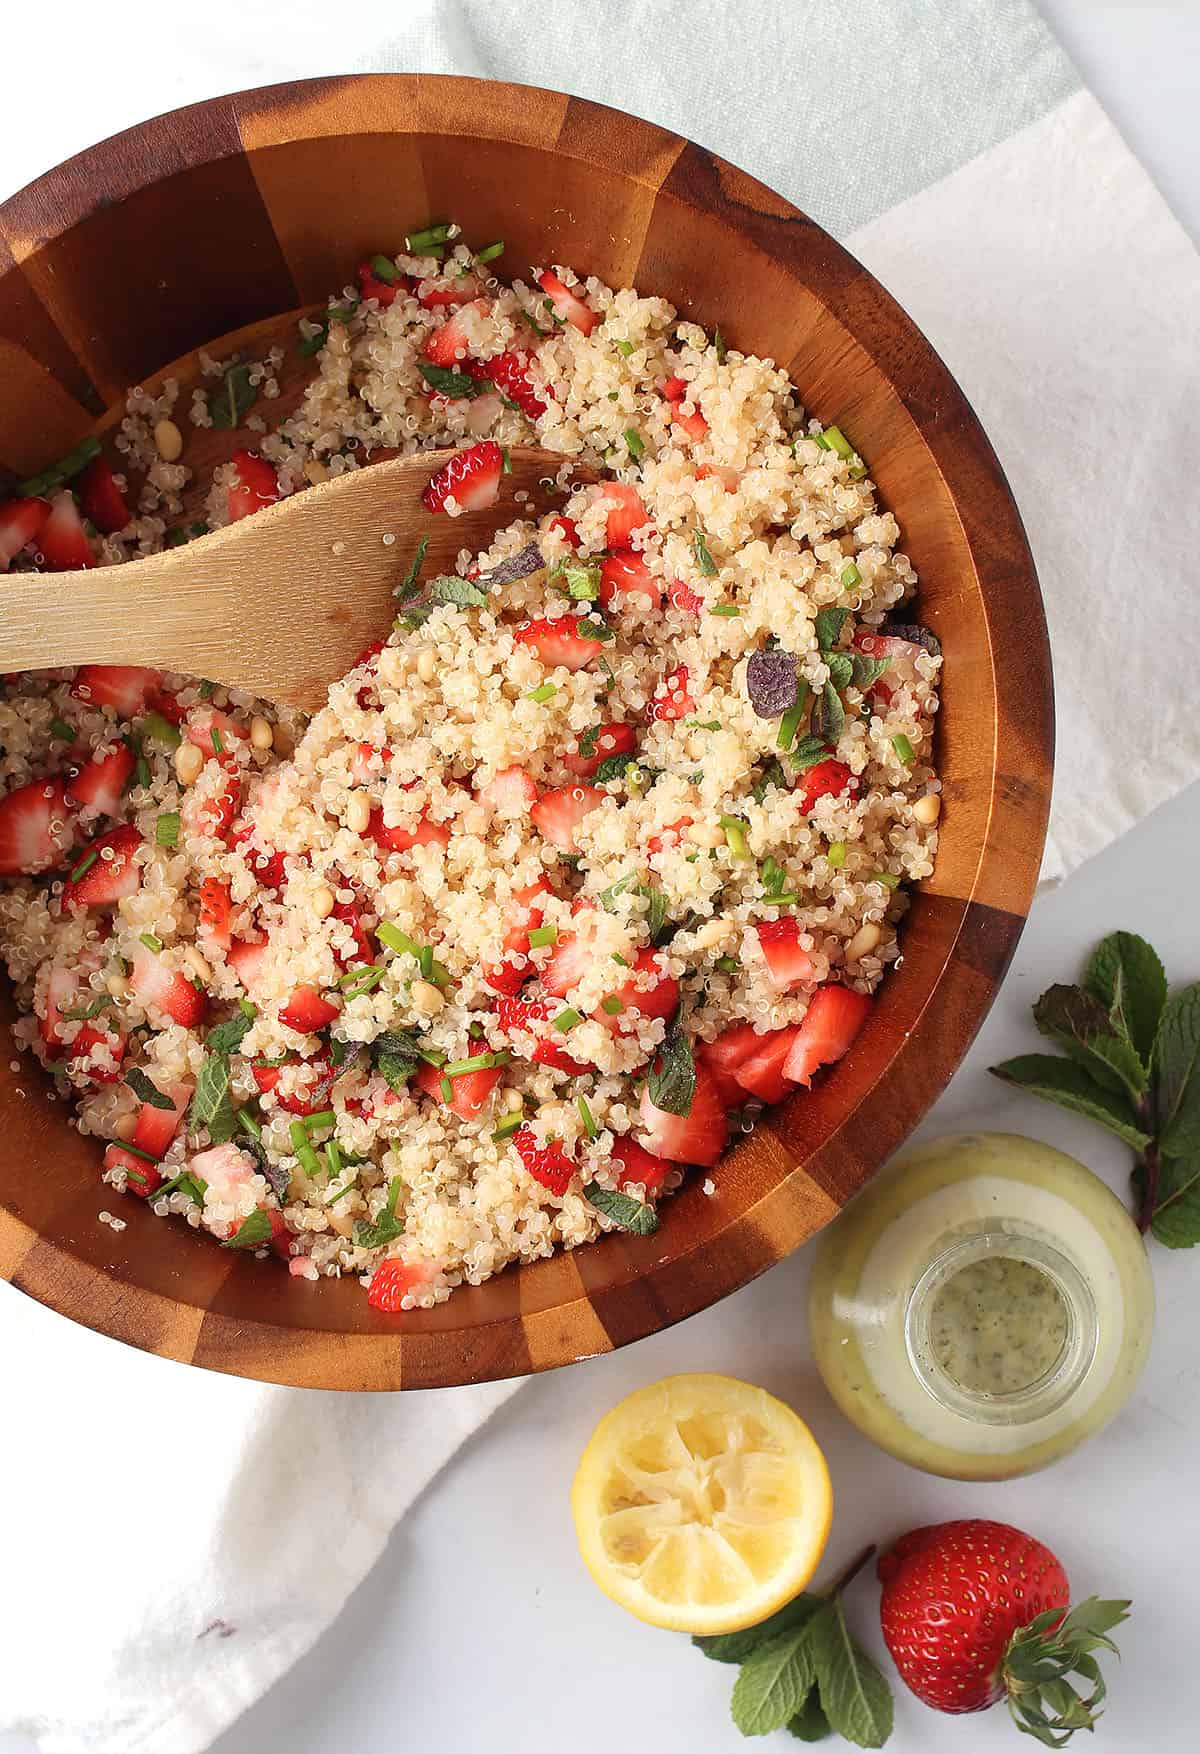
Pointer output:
x,y
280,603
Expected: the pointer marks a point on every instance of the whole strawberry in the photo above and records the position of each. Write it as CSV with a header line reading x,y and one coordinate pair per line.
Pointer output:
x,y
976,1611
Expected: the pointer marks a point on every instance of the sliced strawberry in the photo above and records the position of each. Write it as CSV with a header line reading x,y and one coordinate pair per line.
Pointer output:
x,y
119,686
671,836
626,512
393,1281
511,792
157,1127
208,727
97,788
787,964
145,1179
385,292
828,779
101,498
626,574
111,875
60,993
162,987
215,912
246,961
762,1072
901,655
601,745
566,527
166,703
20,521
280,1243
548,1165
265,863
62,541
366,762
732,1048
361,947
672,700
829,1027
469,1091
697,1137
216,815
310,1101
638,1166
635,999
448,345
536,1016
694,425
567,304
556,815
509,372
308,1011
35,821
95,1055
402,840
253,486
510,975
440,294
560,643
471,478
682,596
569,961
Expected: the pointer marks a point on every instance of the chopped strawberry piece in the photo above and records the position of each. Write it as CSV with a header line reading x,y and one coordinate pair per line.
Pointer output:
x,y
384,292
566,526
95,1055
20,521
157,1127
671,836
901,655
361,948
144,1179
308,1011
59,994
215,912
762,1072
730,479
602,745
829,1027
536,1016
626,512
265,863
366,762
639,1167
469,1091
509,372
511,792
560,643
787,963
205,729
732,1048
677,391
471,478
672,701
280,1243
62,541
246,961
162,987
166,703
97,788
216,815
35,821
437,295
119,686
548,1165
556,815
101,498
682,596
828,779
309,1101
697,1137
253,486
635,999
393,1281
111,875
626,574
569,961
402,840
448,345
567,304
510,975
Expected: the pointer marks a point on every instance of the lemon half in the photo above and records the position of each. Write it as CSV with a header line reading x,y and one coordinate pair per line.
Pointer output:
x,y
702,1504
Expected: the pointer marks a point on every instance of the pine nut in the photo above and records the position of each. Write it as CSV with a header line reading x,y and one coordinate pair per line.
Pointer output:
x,y
126,1126
712,933
358,812
189,760
513,1100
926,810
706,834
863,942
315,472
261,734
198,965
168,440
426,999
284,740
426,665
117,985
322,901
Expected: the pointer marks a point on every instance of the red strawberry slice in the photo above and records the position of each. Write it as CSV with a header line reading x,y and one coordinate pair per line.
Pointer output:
x,y
62,541
95,1055
602,745
556,815
510,374
536,1016
215,911
145,1179
901,655
310,1101
682,596
246,961
559,643
402,840
569,961
163,988
548,1165
216,815
361,947
511,792
280,1243
671,836
253,486
366,762
672,700
471,478
120,686
35,821
469,1091
762,1073
265,863
448,345
393,1281
166,703
97,788
828,779
635,999
829,1027
20,521
111,875
787,964
567,304
732,1048
157,1127
525,914
626,574
101,498
385,292
638,1166
441,295
201,728
626,512
730,479
697,1137
308,1011
567,528
60,994
676,391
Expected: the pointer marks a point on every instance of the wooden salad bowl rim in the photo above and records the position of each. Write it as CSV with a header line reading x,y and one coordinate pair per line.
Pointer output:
x,y
857,359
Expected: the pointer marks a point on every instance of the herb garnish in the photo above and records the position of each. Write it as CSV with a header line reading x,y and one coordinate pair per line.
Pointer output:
x,y
235,398
628,1213
704,559
447,382
146,1090
251,1233
671,1084
386,1228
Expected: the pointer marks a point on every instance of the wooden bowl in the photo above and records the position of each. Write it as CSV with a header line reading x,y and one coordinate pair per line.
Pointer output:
x,y
235,212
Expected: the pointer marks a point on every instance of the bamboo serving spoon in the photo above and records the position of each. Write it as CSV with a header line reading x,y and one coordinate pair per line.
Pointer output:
x,y
279,604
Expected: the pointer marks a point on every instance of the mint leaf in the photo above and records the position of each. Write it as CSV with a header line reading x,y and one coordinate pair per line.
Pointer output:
x,y
409,586
148,1092
235,398
774,1683
1176,1063
735,1647
1124,967
829,715
632,1215
867,670
808,752
449,588
613,767
671,1085
855,1696
772,776
386,1228
228,1037
447,382
1175,1221
810,1723
251,1233
1078,1021
841,670
1067,1084
829,624
656,911
396,1055
211,1106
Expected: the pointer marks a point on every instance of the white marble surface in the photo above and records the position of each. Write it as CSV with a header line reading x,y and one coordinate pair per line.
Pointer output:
x,y
507,1658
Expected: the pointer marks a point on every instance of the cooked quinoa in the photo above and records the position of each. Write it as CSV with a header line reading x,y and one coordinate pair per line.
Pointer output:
x,y
569,741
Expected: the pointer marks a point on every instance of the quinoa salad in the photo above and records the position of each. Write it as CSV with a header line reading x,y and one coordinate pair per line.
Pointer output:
x,y
600,849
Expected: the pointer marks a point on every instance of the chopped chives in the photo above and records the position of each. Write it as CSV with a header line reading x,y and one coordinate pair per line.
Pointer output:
x,y
541,936
383,268
314,1123
333,1199
447,1090
158,726
728,964
303,1152
837,441
249,1124
904,749
166,829
851,575
620,959
135,1173
789,724
477,1063
63,470
624,348
425,960
612,1005
357,973
141,771
505,461
703,724
439,974
718,342
147,1156
420,243
725,609
333,1158
218,745
837,854
787,899
541,695
397,940
85,864
151,942
818,438
489,252
735,836
884,877
432,1056
247,1009
509,1125
585,1115
567,1019
60,728
634,444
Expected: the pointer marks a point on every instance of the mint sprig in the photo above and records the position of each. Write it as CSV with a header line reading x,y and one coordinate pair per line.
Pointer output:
x,y
1132,1064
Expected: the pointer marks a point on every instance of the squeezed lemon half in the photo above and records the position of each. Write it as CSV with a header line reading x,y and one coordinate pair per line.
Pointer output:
x,y
702,1504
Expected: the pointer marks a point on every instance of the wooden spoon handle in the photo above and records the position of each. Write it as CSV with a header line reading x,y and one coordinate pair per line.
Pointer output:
x,y
104,616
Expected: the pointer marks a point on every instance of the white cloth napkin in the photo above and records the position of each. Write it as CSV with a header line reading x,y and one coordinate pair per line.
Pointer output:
x,y
175,1540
